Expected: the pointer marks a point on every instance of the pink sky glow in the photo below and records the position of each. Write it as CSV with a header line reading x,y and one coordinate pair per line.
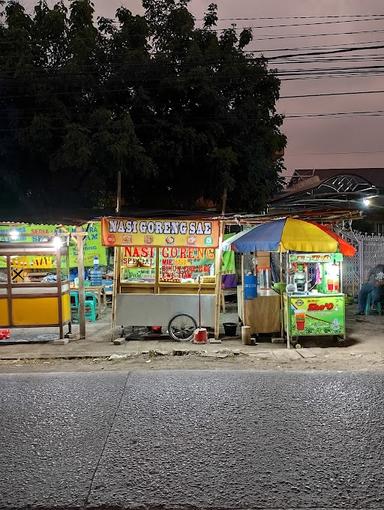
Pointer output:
x,y
313,142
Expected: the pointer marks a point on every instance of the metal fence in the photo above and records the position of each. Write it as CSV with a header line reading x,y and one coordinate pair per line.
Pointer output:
x,y
370,252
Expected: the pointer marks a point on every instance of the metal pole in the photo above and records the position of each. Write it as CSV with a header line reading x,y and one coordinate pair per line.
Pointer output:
x,y
361,262
80,267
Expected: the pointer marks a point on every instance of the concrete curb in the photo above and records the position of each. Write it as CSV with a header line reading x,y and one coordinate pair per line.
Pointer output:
x,y
112,356
279,356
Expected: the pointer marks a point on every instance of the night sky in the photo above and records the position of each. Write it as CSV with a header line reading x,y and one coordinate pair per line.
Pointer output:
x,y
338,141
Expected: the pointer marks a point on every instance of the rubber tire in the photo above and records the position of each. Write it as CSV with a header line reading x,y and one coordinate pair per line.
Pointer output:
x,y
174,337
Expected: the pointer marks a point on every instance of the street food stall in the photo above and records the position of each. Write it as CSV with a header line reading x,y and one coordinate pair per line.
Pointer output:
x,y
34,286
165,272
307,299
313,302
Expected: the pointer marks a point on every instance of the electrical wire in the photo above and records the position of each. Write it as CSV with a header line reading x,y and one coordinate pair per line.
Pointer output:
x,y
338,16
327,94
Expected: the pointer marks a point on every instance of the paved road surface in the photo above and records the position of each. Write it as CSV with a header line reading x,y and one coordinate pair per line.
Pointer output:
x,y
159,440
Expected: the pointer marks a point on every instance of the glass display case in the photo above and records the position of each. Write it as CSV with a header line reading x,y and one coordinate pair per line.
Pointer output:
x,y
160,270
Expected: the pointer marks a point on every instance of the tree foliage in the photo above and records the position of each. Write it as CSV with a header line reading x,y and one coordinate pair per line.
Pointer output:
x,y
183,111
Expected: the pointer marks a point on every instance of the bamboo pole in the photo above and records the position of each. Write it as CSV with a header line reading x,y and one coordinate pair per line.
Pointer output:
x,y
218,289
115,286
9,292
242,290
59,291
157,270
288,303
80,235
116,263
281,296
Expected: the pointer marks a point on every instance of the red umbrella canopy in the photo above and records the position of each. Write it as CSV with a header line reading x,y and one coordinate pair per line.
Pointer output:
x,y
345,248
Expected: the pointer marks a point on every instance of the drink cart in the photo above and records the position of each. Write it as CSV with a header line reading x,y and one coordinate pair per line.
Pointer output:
x,y
164,273
313,302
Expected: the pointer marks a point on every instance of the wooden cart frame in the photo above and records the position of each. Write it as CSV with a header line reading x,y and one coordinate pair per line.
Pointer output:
x,y
14,297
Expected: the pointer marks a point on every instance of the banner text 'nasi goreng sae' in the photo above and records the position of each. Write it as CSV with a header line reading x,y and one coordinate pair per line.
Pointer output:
x,y
160,233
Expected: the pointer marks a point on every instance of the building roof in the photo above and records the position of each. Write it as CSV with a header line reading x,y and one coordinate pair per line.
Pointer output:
x,y
332,188
374,176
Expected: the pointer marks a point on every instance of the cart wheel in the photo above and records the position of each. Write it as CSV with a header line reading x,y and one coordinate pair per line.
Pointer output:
x,y
181,327
298,346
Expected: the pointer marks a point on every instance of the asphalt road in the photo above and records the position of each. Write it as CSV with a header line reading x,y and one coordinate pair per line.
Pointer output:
x,y
192,439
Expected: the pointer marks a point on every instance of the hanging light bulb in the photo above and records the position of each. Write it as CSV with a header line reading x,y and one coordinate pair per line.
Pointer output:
x,y
57,242
14,235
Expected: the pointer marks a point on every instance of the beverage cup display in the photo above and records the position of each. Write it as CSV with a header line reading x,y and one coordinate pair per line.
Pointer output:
x,y
300,319
336,286
330,285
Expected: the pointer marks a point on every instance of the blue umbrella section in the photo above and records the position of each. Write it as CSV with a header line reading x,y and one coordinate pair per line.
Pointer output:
x,y
264,237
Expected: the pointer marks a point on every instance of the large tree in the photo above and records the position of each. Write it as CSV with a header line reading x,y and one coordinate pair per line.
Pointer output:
x,y
184,112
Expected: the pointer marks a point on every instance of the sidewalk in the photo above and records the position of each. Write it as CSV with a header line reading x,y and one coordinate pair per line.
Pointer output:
x,y
365,337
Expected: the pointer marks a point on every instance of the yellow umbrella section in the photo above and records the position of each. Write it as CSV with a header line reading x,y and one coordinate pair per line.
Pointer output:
x,y
301,236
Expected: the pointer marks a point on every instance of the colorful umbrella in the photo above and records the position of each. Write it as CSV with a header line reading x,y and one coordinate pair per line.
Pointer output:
x,y
344,247
289,234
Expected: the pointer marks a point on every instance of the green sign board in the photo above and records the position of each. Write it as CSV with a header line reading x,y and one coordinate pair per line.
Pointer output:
x,y
316,315
40,233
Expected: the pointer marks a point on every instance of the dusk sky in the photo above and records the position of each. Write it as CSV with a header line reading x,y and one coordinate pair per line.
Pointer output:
x,y
314,142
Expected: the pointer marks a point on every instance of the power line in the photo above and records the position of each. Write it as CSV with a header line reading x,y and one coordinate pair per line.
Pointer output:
x,y
326,46
299,96
331,52
323,34
333,153
326,94
288,25
372,113
338,16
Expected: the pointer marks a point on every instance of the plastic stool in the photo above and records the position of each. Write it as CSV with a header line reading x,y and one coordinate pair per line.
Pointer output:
x,y
368,306
91,307
74,298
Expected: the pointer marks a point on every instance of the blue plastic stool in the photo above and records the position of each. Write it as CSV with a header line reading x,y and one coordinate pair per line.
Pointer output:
x,y
368,306
91,307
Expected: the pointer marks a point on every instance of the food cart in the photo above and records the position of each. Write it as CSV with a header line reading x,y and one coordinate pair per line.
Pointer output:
x,y
34,286
165,273
313,302
310,262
